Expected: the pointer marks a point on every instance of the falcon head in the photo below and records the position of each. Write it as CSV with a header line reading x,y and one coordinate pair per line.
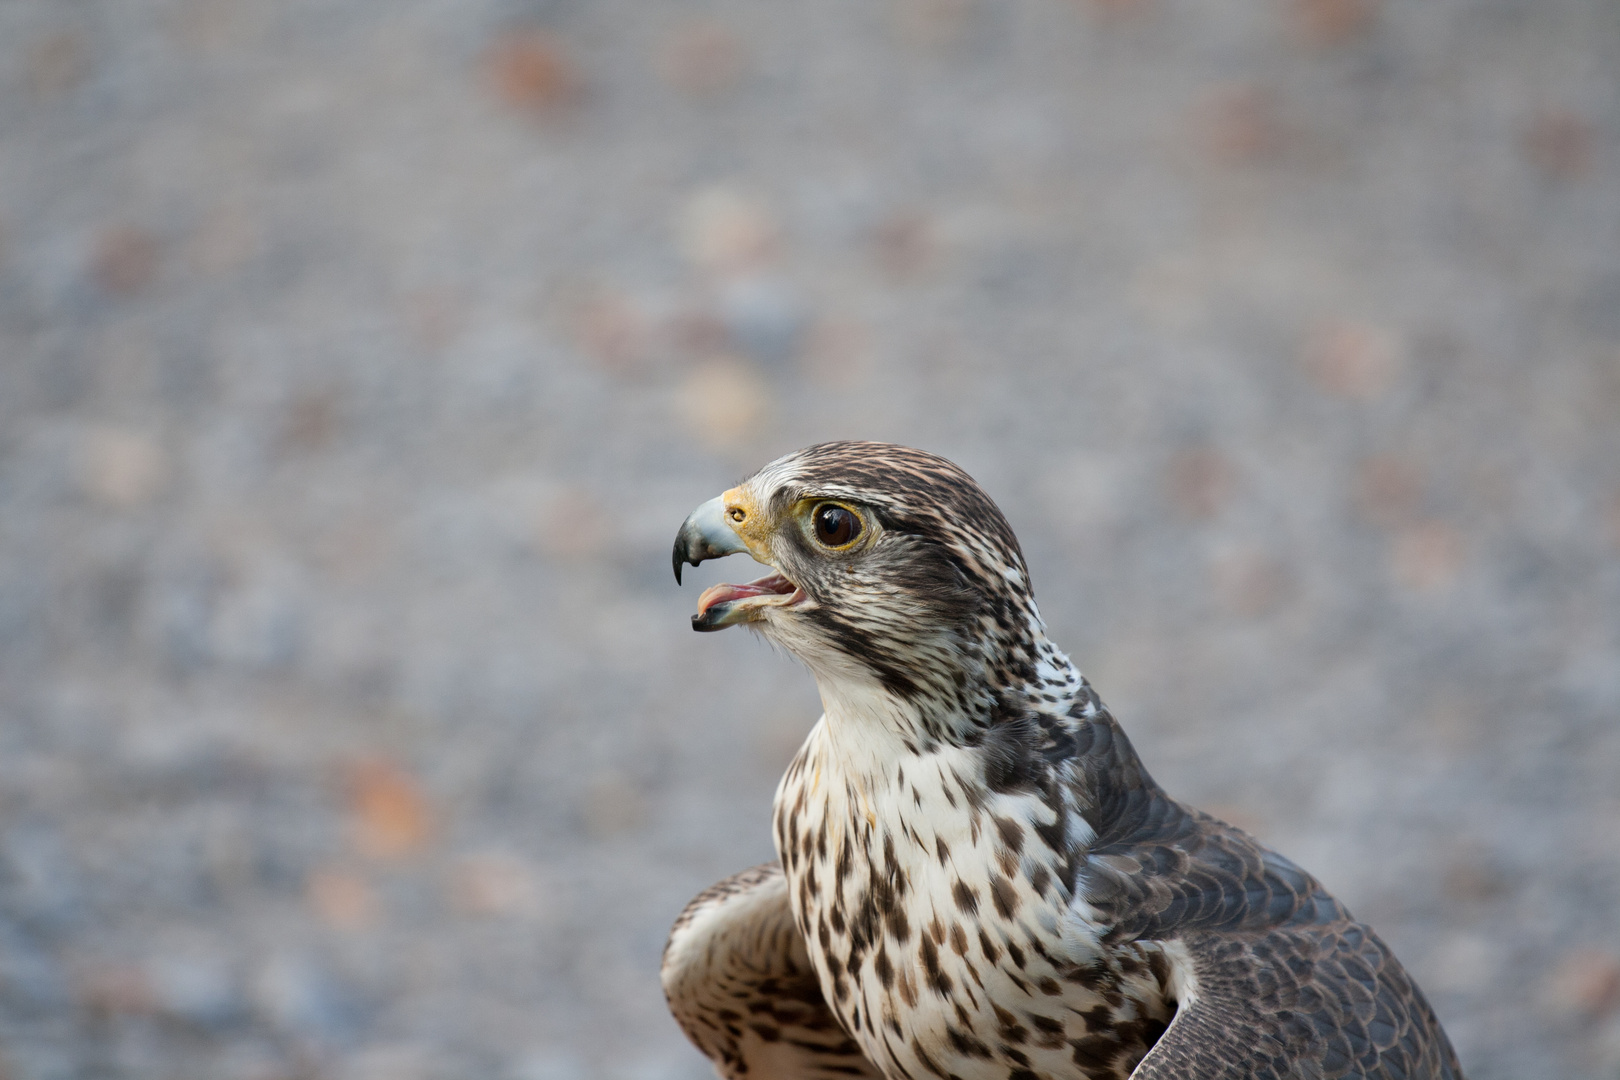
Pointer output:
x,y
893,571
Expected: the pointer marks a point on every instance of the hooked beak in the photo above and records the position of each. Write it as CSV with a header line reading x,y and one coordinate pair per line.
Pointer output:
x,y
706,534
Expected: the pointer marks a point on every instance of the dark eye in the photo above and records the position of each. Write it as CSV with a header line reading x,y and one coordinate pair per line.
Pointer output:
x,y
836,526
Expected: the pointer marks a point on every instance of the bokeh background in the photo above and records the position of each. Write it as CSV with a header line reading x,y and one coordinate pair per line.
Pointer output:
x,y
359,359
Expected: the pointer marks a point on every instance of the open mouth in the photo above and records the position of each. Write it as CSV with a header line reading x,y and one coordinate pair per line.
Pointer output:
x,y
723,605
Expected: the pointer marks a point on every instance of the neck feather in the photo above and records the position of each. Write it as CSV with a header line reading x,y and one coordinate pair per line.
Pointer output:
x,y
954,703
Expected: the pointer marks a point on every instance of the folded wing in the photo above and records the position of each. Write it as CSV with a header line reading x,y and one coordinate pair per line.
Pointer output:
x,y
1273,978
1309,1001
740,984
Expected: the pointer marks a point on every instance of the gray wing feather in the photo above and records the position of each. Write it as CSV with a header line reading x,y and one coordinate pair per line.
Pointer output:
x,y
1315,1001
1278,979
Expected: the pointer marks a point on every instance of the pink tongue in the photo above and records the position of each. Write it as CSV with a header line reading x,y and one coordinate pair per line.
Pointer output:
x,y
720,594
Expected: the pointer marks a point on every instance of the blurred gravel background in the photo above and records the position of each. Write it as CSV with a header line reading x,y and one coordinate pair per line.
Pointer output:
x,y
358,361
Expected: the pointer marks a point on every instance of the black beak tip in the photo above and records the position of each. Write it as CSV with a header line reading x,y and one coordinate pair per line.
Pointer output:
x,y
677,561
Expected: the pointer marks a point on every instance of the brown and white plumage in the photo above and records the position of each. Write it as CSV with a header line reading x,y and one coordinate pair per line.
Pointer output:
x,y
741,985
977,871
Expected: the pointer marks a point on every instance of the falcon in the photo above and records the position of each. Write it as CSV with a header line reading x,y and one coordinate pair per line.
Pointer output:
x,y
977,879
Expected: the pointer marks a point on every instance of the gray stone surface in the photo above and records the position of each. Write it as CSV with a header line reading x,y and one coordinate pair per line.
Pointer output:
x,y
359,359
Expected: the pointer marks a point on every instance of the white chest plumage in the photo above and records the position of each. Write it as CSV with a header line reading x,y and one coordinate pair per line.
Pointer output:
x,y
939,918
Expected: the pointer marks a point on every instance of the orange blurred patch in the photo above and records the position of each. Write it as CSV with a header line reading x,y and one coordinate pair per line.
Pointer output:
x,y
1351,359
341,898
702,59
125,260
312,421
904,244
1250,583
725,230
1427,556
1387,490
117,990
530,69
1559,143
1239,124
1333,22
58,62
390,817
494,884
1586,982
1200,480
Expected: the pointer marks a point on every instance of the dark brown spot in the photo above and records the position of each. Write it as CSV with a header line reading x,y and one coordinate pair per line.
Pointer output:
x,y
884,969
1053,835
1004,895
1008,1027
965,1043
967,901
1017,956
908,988
899,928
1011,833
1051,1031
1095,1053
928,953
928,1062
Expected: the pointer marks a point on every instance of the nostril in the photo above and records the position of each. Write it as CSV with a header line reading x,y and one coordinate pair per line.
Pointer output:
x,y
737,514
